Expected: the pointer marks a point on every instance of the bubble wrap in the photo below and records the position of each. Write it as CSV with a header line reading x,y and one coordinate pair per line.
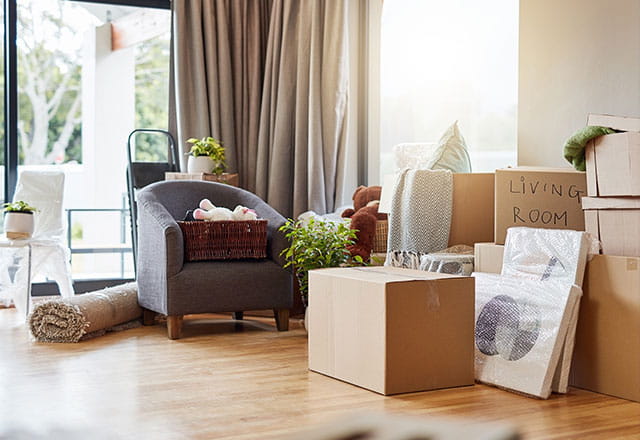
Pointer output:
x,y
550,254
521,326
456,260
543,254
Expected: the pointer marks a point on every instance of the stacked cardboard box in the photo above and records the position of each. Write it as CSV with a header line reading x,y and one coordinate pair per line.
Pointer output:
x,y
612,208
607,352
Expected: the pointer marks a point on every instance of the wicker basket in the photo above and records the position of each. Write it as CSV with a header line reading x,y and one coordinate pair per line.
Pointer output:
x,y
380,238
224,240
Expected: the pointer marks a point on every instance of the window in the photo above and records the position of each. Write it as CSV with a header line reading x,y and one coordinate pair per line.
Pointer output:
x,y
448,61
88,74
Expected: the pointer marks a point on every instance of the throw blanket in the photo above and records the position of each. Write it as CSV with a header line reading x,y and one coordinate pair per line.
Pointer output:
x,y
420,216
85,316
574,147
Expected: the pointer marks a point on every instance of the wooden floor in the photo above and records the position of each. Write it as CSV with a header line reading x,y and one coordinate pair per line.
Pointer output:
x,y
236,381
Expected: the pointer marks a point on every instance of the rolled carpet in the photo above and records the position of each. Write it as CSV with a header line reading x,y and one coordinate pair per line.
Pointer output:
x,y
84,316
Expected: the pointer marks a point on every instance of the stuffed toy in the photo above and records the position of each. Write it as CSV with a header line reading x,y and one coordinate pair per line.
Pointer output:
x,y
361,197
364,221
244,213
364,216
209,212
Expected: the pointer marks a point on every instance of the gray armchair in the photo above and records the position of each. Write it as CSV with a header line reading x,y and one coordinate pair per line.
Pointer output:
x,y
169,285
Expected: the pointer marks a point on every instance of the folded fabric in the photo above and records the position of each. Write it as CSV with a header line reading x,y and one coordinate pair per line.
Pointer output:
x,y
420,216
574,147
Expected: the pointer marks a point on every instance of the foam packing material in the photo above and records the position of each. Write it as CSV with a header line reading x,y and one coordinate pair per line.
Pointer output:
x,y
543,254
521,326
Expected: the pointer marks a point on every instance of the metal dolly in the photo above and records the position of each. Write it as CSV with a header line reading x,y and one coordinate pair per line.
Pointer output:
x,y
141,174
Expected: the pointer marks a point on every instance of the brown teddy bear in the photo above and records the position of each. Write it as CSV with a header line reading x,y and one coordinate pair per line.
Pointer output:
x,y
363,218
361,197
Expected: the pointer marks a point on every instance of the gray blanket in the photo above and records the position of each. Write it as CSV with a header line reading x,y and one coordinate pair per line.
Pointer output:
x,y
420,216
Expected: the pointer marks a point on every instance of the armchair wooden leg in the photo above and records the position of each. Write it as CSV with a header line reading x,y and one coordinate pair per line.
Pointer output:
x,y
238,316
174,326
148,317
282,319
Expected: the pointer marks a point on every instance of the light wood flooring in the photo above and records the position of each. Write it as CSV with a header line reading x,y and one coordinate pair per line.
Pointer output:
x,y
237,381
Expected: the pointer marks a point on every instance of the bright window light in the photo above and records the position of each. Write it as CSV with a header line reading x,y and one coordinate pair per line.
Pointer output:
x,y
443,61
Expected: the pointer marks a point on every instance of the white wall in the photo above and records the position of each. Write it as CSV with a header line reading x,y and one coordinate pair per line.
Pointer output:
x,y
576,57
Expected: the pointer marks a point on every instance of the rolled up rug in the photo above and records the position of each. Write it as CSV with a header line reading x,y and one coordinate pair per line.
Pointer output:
x,y
87,315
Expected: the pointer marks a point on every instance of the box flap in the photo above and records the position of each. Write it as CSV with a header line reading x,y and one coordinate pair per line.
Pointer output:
x,y
610,203
616,122
382,274
531,169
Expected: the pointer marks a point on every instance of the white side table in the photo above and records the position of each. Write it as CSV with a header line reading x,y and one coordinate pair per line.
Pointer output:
x,y
24,244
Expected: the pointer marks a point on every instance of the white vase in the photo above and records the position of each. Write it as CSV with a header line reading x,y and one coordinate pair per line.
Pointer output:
x,y
18,225
200,164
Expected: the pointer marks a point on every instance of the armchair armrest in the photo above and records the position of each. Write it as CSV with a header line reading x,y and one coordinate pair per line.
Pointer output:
x,y
276,241
161,246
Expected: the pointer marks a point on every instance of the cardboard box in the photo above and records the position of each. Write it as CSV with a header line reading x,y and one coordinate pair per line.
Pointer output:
x,y
472,209
539,198
392,330
488,257
607,351
615,221
613,161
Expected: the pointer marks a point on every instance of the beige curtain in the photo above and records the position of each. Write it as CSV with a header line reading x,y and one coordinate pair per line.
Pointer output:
x,y
303,119
219,49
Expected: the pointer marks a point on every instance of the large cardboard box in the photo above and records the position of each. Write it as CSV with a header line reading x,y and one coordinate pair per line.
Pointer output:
x,y
613,161
392,330
472,209
607,351
488,257
539,198
615,221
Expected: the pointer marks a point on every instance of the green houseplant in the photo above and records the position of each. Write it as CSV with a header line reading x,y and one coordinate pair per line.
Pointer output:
x,y
18,220
315,245
206,156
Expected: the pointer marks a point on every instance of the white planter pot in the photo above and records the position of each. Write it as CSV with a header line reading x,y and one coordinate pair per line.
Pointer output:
x,y
200,164
18,225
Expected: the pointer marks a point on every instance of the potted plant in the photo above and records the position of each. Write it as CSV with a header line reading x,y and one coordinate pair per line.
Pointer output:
x,y
18,220
206,156
315,245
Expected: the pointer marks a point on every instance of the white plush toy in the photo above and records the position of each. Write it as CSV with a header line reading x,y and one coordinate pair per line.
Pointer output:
x,y
244,213
209,212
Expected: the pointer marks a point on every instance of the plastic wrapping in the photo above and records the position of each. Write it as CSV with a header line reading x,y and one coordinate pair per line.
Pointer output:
x,y
456,260
49,253
521,327
44,191
543,254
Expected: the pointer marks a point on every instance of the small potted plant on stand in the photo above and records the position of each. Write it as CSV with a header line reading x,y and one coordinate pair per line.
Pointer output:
x,y
18,220
314,245
206,156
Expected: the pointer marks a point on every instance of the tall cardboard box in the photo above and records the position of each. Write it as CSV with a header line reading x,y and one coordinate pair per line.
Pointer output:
x,y
472,206
472,211
615,221
613,160
606,358
392,330
538,198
